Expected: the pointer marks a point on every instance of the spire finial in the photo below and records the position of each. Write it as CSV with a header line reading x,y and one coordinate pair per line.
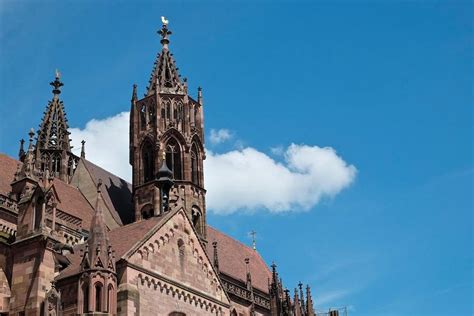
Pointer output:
x,y
83,151
164,32
57,83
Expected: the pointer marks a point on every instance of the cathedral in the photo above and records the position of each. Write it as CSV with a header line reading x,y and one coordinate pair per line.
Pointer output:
x,y
78,240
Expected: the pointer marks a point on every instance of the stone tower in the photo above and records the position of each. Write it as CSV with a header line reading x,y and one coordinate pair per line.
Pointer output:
x,y
167,124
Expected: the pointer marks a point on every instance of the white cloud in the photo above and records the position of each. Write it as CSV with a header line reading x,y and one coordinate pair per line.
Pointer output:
x,y
106,143
243,179
250,179
219,136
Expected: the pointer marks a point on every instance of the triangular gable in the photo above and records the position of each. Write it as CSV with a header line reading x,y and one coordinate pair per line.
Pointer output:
x,y
173,249
52,195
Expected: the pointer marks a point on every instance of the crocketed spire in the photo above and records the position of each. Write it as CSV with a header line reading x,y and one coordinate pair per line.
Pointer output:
x,y
100,252
165,77
53,133
52,149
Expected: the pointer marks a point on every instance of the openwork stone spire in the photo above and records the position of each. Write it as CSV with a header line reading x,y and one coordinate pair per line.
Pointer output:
x,y
165,77
53,133
53,149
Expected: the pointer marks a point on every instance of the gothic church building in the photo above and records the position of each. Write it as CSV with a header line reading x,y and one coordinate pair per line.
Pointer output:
x,y
78,240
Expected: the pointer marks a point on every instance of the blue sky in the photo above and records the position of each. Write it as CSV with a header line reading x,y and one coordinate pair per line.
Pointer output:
x,y
387,85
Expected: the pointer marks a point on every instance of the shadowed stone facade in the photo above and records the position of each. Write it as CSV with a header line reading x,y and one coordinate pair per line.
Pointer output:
x,y
76,239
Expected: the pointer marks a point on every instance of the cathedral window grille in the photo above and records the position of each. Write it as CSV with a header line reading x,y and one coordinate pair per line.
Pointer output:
x,y
98,297
173,158
148,161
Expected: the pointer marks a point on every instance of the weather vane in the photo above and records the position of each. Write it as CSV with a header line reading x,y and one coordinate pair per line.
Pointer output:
x,y
164,20
253,233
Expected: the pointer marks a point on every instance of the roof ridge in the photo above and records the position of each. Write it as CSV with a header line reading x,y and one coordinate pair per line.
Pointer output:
x,y
107,171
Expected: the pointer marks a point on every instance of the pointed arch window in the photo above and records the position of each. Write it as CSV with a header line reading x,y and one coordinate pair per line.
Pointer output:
x,y
195,165
196,218
148,161
56,163
110,297
173,158
98,297
85,298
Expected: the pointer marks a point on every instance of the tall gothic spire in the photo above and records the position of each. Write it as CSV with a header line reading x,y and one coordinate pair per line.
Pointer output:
x,y
53,133
165,77
53,149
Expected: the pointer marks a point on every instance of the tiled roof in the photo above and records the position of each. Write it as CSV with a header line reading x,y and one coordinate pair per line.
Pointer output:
x,y
232,254
8,167
72,201
121,239
117,193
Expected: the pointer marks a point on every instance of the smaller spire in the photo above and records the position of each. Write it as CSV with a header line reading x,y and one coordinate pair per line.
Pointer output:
x,y
57,84
296,304
134,92
83,151
300,285
21,152
164,32
309,302
216,258
247,269
199,95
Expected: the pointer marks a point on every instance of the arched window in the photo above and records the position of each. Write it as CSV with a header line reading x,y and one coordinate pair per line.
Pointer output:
x,y
196,218
195,165
148,161
177,314
98,297
143,117
110,297
233,313
173,158
85,298
147,211
56,164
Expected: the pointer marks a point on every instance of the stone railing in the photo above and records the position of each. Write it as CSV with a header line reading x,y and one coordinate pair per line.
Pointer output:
x,y
245,294
8,204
